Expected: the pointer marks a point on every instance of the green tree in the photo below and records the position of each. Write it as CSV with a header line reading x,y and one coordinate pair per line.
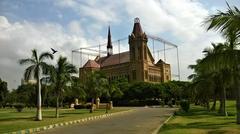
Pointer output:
x,y
202,85
3,92
219,77
60,76
26,93
113,90
77,89
95,86
36,68
228,23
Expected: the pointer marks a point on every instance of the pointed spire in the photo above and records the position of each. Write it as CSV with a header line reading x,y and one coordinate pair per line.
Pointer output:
x,y
137,29
109,43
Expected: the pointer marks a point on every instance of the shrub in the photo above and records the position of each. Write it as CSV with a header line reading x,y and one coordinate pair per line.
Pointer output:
x,y
185,105
19,106
79,107
82,106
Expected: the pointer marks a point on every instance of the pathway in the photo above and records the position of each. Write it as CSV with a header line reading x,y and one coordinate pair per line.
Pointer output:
x,y
141,121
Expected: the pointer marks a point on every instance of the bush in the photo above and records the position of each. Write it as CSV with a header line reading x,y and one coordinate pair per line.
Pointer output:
x,y
82,106
79,107
19,106
185,105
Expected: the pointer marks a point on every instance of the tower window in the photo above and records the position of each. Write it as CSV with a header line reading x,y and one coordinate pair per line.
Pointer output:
x,y
139,54
146,74
133,52
145,53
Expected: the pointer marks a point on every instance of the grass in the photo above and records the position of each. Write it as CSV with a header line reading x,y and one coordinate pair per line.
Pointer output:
x,y
11,120
199,121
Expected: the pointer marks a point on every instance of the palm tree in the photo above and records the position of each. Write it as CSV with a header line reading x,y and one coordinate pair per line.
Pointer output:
x,y
228,23
225,21
95,86
202,84
218,76
60,75
36,68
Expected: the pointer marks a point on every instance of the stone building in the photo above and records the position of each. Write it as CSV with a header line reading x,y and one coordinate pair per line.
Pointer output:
x,y
137,64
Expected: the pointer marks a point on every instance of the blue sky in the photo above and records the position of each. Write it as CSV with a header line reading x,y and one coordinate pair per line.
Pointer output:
x,y
70,24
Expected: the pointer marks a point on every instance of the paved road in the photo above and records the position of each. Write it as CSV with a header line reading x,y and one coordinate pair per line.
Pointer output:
x,y
141,121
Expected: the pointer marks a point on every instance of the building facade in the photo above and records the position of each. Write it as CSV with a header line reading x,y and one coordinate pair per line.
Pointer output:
x,y
136,65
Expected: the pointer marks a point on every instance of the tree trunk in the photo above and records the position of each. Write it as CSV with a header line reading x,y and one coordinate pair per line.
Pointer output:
x,y
39,100
57,105
238,100
222,110
214,103
106,107
208,106
224,101
92,106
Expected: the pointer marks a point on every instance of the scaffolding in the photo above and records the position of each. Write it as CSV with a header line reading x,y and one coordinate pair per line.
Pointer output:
x,y
86,53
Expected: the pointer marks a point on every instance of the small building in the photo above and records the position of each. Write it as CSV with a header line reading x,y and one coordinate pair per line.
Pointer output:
x,y
136,65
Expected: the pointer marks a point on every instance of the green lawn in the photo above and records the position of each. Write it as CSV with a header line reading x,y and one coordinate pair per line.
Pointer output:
x,y
10,120
199,121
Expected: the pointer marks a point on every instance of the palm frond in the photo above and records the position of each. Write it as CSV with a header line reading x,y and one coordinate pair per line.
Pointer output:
x,y
223,21
28,72
45,67
27,61
45,55
35,55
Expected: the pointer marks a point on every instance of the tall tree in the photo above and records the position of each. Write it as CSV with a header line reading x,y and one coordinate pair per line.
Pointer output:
x,y
95,86
228,23
37,67
113,90
60,76
3,92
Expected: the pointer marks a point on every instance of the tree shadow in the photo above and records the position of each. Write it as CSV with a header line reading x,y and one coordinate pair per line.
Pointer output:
x,y
17,118
197,125
217,132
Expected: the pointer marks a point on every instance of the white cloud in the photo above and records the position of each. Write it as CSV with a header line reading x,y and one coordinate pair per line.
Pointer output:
x,y
102,12
179,20
182,19
18,39
75,28
4,22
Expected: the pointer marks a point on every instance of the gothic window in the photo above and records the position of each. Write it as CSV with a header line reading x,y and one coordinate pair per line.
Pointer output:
x,y
145,53
146,74
139,54
133,52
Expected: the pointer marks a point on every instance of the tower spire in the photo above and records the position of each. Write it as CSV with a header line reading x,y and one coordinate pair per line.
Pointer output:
x,y
137,29
109,43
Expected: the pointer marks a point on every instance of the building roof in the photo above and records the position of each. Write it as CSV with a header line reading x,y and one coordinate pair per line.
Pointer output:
x,y
91,64
137,29
114,59
109,43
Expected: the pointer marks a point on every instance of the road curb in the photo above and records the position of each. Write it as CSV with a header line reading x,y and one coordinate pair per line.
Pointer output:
x,y
160,126
83,120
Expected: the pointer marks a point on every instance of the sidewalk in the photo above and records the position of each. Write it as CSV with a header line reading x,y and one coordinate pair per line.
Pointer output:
x,y
141,121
